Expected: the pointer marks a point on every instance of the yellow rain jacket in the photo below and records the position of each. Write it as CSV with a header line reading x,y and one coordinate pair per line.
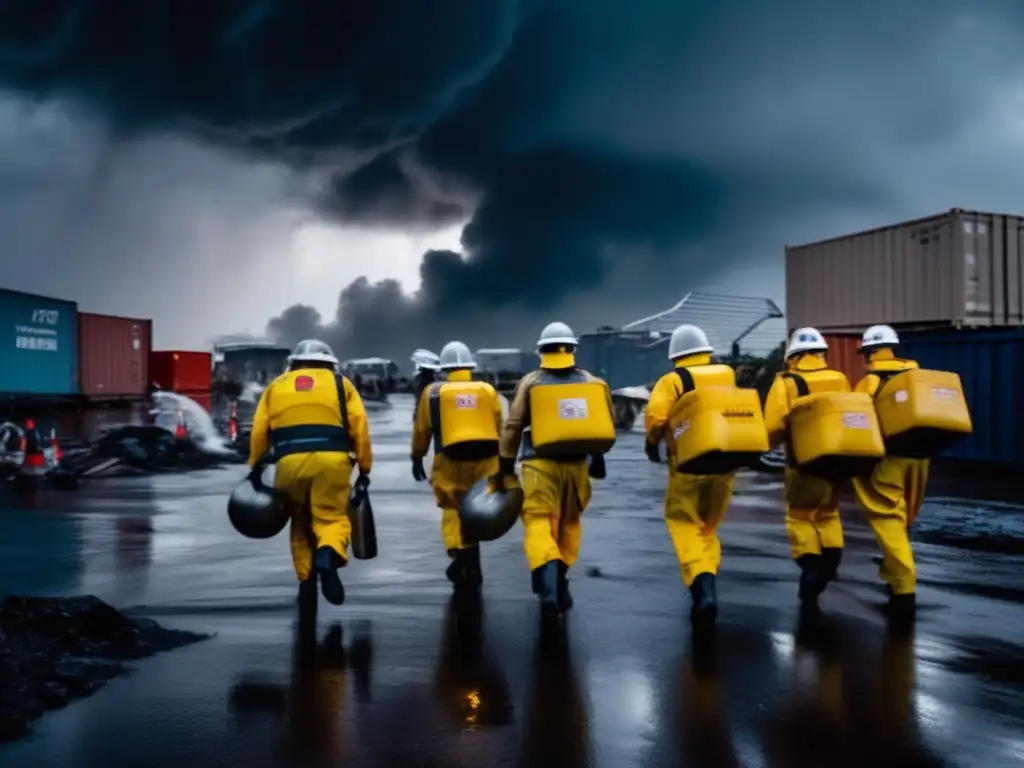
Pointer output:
x,y
812,504
453,478
892,496
314,438
555,492
694,504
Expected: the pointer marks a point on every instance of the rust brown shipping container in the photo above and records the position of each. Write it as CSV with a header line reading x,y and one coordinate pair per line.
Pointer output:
x,y
113,355
843,356
961,268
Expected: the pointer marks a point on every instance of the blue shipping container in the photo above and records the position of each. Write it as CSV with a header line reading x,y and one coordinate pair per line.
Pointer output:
x,y
991,368
38,345
623,360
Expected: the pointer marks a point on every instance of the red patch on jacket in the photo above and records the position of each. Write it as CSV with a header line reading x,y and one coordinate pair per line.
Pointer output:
x,y
303,383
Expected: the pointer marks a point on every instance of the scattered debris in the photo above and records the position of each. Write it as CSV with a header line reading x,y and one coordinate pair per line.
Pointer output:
x,y
56,650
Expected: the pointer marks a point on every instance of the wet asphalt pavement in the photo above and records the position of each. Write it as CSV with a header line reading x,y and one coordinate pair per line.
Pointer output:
x,y
398,677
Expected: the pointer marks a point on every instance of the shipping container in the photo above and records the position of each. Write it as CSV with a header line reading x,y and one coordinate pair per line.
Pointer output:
x,y
86,423
38,346
961,268
113,355
991,367
843,356
179,371
624,359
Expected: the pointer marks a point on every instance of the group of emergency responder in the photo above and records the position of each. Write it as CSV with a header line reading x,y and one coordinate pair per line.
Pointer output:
x,y
560,424
891,496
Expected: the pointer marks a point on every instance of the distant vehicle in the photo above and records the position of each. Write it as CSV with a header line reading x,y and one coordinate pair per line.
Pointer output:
x,y
374,377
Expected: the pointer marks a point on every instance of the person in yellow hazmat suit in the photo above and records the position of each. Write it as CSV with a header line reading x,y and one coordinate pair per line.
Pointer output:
x,y
313,420
812,504
892,495
462,418
694,504
427,364
556,491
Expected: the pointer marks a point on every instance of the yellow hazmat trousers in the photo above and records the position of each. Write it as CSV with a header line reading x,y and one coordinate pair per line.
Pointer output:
x,y
892,496
317,484
451,479
555,493
694,504
812,504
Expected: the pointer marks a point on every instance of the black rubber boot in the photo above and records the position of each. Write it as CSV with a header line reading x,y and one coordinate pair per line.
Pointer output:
x,y
830,559
307,592
464,570
902,612
327,563
811,582
472,576
454,569
704,610
565,601
545,586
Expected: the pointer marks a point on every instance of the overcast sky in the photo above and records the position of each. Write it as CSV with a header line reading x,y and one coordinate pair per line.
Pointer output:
x,y
589,161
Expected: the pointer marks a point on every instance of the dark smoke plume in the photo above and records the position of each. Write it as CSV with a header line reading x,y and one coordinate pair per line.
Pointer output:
x,y
535,120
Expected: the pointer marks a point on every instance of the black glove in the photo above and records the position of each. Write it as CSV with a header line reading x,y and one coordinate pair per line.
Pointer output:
x,y
418,473
653,453
363,481
506,468
598,471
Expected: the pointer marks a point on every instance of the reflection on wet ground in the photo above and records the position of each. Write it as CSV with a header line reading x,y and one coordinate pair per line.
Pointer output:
x,y
402,675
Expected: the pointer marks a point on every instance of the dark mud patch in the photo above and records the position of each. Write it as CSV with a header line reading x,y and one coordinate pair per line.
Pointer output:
x,y
977,526
56,650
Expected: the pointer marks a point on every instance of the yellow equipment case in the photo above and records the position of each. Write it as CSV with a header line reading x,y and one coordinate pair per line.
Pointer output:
x,y
834,435
921,413
716,429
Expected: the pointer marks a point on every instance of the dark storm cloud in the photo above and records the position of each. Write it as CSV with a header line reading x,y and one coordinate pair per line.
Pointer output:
x,y
566,130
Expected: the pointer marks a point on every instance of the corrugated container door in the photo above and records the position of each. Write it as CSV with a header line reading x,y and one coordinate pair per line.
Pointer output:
x,y
843,356
38,345
114,355
959,268
180,371
991,367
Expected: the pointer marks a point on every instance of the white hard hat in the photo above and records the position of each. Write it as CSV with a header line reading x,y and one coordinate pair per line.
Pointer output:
x,y
688,340
456,355
312,350
806,340
556,333
879,336
426,360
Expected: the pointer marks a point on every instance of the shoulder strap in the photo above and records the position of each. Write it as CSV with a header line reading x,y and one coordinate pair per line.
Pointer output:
x,y
802,390
884,376
687,378
339,380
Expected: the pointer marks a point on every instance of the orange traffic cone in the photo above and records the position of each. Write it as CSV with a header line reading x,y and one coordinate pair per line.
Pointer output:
x,y
34,456
181,431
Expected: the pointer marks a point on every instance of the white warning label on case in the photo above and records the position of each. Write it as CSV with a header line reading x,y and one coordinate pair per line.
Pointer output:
x,y
681,429
572,408
465,402
941,393
855,420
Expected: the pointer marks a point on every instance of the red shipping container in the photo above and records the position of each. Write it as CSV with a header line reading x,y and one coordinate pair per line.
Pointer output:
x,y
178,371
843,356
205,399
113,355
